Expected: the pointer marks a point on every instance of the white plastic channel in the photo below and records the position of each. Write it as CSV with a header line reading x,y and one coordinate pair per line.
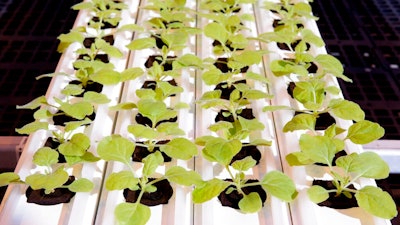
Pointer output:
x,y
212,212
179,210
82,208
305,212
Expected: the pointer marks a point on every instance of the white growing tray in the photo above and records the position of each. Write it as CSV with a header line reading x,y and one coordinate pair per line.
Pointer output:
x,y
305,212
212,212
179,210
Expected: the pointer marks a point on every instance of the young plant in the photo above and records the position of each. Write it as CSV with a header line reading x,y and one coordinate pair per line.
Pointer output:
x,y
348,169
290,14
120,149
224,7
52,177
105,12
222,151
159,127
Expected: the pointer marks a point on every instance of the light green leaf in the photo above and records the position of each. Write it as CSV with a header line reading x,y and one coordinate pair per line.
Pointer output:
x,y
221,150
131,73
332,65
250,203
275,108
151,162
124,106
317,194
189,60
81,185
7,178
32,127
83,5
279,185
179,175
251,124
34,103
244,164
320,149
141,43
346,109
77,110
121,180
115,148
298,159
248,57
179,148
377,202
132,213
256,77
370,165
302,121
364,132
260,142
208,190
141,131
170,128
106,76
48,181
42,114
95,97
72,125
77,146
216,31
45,156
212,76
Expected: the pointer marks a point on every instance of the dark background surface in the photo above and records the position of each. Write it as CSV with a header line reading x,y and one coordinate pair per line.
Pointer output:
x,y
28,43
364,35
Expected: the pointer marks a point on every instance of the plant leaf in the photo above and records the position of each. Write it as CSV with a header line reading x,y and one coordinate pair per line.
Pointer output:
x,y
377,202
302,121
81,185
32,127
250,203
106,76
115,148
279,185
141,131
141,43
179,175
170,128
216,31
244,164
298,159
364,132
72,125
77,146
370,165
317,194
132,213
221,150
48,181
45,156
346,109
208,190
121,180
151,162
7,178
95,97
35,103
77,110
131,73
320,149
179,148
